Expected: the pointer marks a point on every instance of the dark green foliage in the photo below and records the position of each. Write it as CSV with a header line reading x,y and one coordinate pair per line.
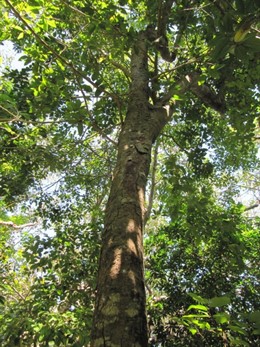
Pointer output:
x,y
60,116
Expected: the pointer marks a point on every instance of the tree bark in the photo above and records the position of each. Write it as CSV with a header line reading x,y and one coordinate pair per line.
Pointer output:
x,y
120,314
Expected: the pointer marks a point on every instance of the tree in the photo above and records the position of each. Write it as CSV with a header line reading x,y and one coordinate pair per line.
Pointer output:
x,y
127,71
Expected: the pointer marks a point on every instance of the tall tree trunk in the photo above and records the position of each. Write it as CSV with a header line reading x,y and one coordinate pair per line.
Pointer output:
x,y
120,314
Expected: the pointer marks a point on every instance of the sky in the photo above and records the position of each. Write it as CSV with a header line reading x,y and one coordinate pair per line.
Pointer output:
x,y
8,57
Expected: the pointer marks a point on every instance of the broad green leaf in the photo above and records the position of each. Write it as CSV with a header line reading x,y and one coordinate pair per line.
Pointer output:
x,y
222,45
222,317
252,43
219,301
239,342
237,329
254,316
198,298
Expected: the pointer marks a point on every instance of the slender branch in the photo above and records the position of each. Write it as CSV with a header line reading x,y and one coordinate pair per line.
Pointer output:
x,y
153,183
206,94
67,63
74,8
15,226
252,207
10,113
176,67
17,292
17,118
122,68
200,7
176,142
45,44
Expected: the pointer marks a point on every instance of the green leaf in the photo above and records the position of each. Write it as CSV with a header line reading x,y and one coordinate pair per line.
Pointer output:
x,y
198,298
228,22
252,43
21,35
80,128
193,330
240,6
219,301
237,329
221,47
198,307
254,316
241,52
239,342
222,318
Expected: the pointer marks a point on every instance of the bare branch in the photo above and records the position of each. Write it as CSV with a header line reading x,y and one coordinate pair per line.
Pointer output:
x,y
153,183
21,296
15,226
252,207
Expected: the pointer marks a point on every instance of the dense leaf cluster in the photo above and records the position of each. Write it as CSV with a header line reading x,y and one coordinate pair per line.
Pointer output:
x,y
60,117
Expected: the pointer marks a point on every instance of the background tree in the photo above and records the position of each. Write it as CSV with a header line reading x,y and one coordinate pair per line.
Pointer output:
x,y
101,82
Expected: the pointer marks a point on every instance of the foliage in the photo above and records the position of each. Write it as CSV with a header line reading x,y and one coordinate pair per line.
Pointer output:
x,y
208,253
60,118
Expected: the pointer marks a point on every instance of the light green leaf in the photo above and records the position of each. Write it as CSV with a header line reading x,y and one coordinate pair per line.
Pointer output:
x,y
193,330
222,318
198,307
21,35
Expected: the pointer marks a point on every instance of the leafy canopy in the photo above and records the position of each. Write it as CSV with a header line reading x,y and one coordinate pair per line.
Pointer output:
x,y
60,116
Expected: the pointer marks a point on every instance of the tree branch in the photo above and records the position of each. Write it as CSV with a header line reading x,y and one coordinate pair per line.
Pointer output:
x,y
159,36
252,207
204,93
153,183
164,11
15,226
176,142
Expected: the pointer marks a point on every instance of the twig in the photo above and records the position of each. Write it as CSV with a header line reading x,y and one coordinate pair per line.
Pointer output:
x,y
252,207
15,226
176,142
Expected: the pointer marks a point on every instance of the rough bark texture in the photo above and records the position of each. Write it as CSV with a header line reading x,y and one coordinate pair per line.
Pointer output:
x,y
120,315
